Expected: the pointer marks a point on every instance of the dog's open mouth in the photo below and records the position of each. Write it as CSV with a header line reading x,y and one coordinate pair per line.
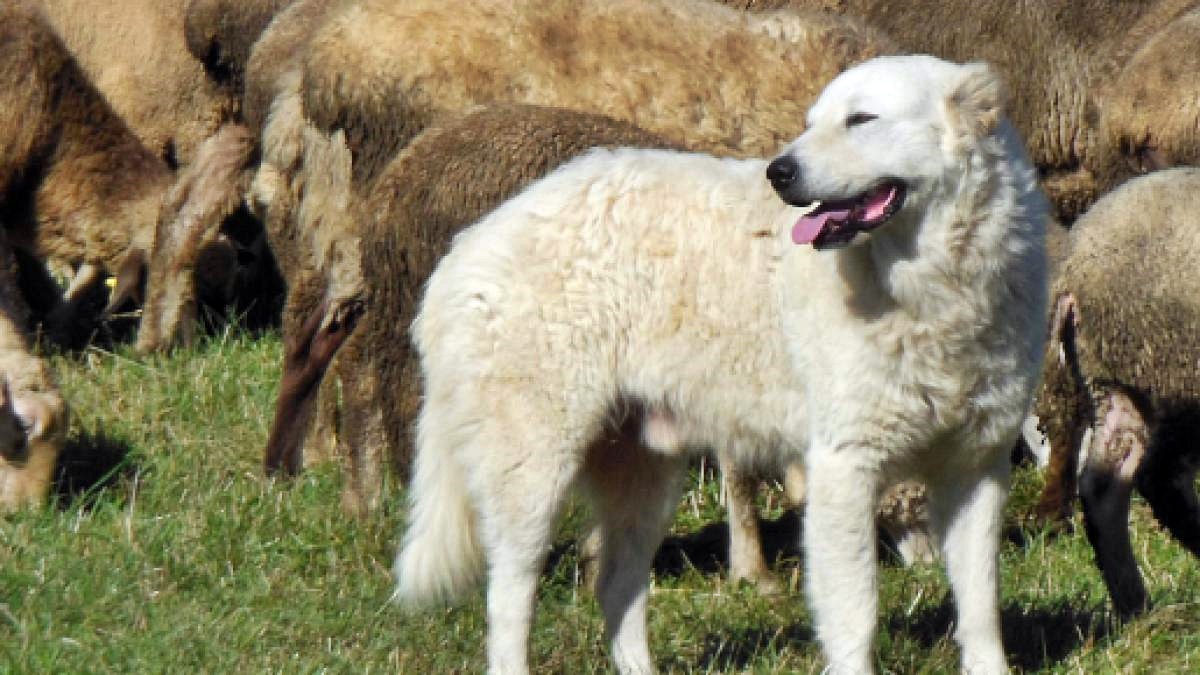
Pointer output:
x,y
835,223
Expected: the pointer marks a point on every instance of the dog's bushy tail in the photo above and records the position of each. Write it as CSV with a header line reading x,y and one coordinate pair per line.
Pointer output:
x,y
440,556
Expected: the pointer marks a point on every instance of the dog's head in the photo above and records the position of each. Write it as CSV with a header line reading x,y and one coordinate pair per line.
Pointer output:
x,y
881,138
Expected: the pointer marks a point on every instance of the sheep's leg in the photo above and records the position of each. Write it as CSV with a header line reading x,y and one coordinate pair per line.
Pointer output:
x,y
305,361
1064,427
746,561
635,492
362,439
1118,445
965,515
1167,481
839,545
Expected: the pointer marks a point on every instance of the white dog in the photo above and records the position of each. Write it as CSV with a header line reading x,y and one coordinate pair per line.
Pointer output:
x,y
635,303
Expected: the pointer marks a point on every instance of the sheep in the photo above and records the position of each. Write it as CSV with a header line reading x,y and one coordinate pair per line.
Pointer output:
x,y
278,50
233,153
32,413
1059,54
135,53
697,73
187,251
1150,110
1122,362
221,33
76,185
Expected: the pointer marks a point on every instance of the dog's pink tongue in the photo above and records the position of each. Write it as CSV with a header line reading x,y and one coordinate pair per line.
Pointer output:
x,y
809,226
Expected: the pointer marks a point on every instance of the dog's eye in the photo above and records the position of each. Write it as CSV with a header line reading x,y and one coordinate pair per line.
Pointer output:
x,y
855,119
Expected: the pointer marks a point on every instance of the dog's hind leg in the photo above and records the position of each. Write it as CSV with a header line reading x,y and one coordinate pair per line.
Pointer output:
x,y
1118,446
840,557
635,492
965,515
524,468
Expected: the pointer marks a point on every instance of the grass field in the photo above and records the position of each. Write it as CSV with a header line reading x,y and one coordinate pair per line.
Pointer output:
x,y
166,551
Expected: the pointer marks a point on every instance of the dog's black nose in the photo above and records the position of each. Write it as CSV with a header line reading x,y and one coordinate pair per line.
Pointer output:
x,y
782,172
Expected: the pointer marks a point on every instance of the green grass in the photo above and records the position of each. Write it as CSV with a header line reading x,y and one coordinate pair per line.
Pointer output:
x,y
165,550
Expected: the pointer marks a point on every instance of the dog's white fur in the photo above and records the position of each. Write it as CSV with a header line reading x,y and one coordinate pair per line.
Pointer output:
x,y
634,284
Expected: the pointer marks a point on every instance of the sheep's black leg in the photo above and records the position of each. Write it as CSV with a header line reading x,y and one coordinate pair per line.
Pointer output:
x,y
305,360
1118,446
1167,483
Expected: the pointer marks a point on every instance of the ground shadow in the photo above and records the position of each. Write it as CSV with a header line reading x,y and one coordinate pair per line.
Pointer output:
x,y
736,650
88,464
707,550
1033,638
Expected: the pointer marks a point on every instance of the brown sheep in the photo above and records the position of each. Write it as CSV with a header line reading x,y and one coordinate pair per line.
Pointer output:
x,y
187,247
1150,111
1122,362
233,155
135,53
717,80
32,413
1058,54
221,33
76,185
278,50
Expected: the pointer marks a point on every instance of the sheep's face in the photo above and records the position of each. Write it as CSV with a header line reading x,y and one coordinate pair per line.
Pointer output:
x,y
880,138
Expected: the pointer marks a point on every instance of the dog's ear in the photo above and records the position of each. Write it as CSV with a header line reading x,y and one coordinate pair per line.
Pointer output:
x,y
976,103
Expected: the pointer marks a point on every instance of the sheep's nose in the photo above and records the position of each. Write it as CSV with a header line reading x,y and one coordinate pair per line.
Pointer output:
x,y
782,172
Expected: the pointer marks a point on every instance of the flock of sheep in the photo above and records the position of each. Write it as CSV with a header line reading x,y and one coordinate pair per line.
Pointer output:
x,y
193,150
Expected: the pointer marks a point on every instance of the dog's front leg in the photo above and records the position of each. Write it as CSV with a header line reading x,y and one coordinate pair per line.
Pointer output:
x,y
839,544
965,513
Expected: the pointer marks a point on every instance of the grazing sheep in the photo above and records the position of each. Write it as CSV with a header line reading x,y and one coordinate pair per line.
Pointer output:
x,y
221,33
279,49
187,248
1058,54
232,164
32,413
1150,111
1122,362
699,74
76,185
135,53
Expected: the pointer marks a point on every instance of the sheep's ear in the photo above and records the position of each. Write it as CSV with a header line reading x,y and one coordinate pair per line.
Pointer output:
x,y
129,281
976,104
